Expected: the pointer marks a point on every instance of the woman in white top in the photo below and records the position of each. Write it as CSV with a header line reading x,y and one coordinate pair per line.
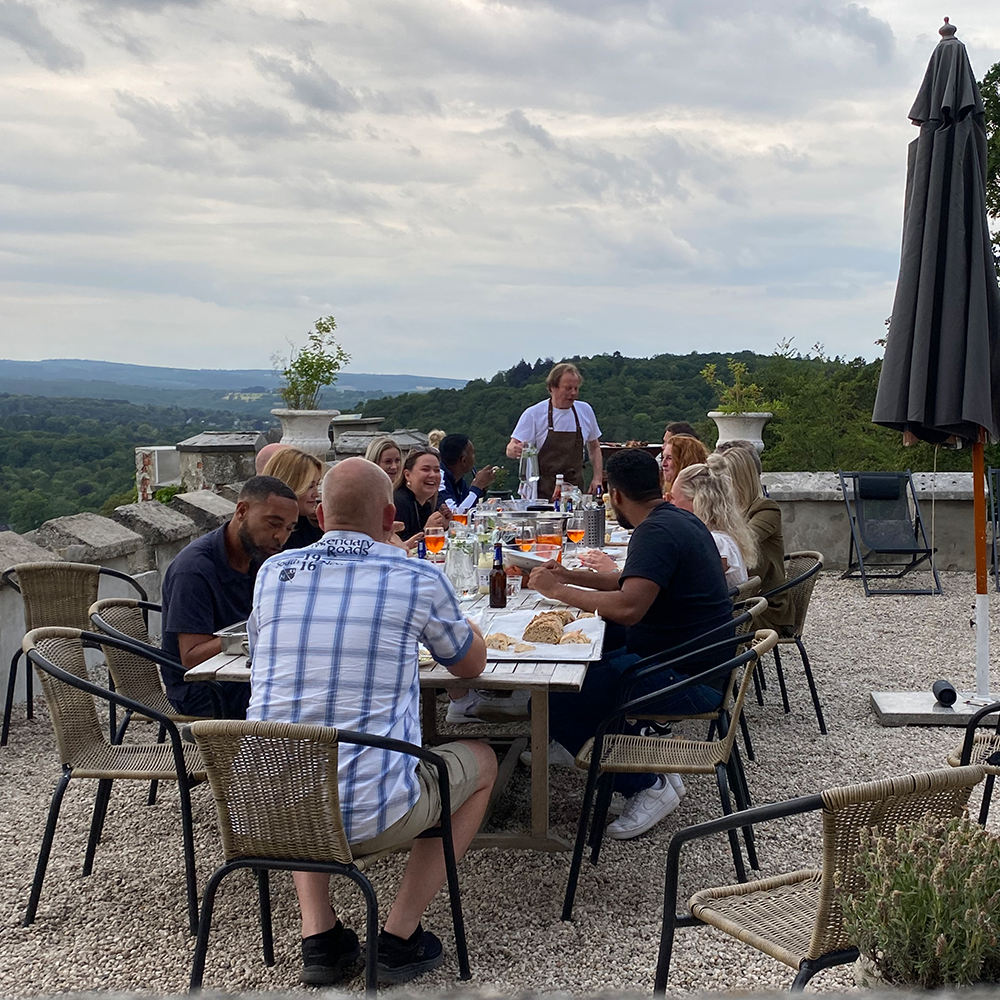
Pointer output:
x,y
708,493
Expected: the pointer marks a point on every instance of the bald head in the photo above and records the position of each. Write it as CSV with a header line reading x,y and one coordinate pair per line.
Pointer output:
x,y
265,454
357,496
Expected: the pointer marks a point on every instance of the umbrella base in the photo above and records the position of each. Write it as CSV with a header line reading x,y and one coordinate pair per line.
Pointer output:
x,y
921,708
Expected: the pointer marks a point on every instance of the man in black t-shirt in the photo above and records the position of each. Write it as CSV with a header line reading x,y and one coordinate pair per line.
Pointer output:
x,y
671,590
209,585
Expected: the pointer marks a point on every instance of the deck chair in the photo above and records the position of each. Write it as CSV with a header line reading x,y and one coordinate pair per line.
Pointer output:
x,y
888,539
796,918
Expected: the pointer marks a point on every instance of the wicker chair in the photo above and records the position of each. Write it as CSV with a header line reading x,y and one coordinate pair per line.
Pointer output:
x,y
745,590
796,918
57,594
257,770
982,748
801,570
610,752
85,752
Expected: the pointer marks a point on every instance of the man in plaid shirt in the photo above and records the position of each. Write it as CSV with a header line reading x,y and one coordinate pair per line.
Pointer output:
x,y
334,635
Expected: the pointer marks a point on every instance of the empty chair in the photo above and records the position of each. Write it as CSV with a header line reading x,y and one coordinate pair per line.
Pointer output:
x,y
256,770
888,539
801,569
58,594
85,752
796,918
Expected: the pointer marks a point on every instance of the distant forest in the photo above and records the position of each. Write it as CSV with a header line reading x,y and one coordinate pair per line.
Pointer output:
x,y
62,456
824,421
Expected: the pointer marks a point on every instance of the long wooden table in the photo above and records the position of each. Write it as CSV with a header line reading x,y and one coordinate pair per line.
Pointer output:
x,y
538,677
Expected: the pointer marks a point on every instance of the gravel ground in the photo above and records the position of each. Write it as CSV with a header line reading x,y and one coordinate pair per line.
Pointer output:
x,y
124,928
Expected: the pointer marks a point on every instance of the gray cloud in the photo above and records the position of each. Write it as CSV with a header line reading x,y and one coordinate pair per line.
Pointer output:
x,y
308,83
20,23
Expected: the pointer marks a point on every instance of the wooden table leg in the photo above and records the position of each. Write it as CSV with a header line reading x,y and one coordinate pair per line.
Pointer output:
x,y
428,714
540,763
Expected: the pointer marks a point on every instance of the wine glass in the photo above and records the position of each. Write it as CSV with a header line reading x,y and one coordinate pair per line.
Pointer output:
x,y
526,537
434,540
576,529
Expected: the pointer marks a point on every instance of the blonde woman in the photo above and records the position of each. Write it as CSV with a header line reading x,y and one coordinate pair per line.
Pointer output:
x,y
708,494
302,473
764,517
385,453
435,437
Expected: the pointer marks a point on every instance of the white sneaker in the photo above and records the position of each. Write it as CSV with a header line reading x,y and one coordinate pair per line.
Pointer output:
x,y
495,707
677,784
559,756
464,709
644,810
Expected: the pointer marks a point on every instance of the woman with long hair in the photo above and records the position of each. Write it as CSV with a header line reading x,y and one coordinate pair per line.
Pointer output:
x,y
679,452
415,493
302,473
385,453
708,493
764,517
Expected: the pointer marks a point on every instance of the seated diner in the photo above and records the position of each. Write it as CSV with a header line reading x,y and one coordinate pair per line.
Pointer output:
x,y
415,494
301,472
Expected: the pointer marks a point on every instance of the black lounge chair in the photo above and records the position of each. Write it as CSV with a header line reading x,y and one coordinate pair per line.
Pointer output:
x,y
888,539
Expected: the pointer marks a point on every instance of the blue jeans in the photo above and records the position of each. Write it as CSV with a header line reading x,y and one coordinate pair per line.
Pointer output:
x,y
574,718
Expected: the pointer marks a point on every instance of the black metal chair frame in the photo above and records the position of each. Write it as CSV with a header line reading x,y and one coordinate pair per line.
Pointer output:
x,y
814,694
728,824
8,577
184,784
993,493
261,866
968,745
860,548
729,775
156,655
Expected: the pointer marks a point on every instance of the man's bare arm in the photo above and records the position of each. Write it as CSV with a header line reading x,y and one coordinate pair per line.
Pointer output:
x,y
474,661
195,649
626,606
594,449
514,448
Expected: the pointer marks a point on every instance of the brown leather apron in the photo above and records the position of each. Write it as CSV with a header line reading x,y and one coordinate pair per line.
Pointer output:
x,y
562,451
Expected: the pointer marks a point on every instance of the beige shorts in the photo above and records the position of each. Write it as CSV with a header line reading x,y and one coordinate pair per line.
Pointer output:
x,y
463,778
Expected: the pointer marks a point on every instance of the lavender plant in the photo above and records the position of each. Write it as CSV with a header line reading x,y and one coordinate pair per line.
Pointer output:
x,y
925,909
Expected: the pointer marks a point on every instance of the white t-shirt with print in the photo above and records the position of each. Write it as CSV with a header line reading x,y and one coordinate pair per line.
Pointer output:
x,y
730,551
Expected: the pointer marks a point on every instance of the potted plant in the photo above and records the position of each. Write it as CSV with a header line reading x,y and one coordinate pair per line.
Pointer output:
x,y
924,910
743,410
304,373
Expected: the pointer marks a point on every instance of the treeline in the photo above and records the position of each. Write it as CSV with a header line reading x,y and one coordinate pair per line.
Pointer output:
x,y
823,422
64,456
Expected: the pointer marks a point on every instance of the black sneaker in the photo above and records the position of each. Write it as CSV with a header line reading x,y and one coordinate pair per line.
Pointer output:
x,y
326,957
401,959
647,727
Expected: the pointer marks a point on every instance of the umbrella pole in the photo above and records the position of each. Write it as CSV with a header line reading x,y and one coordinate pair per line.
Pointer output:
x,y
982,595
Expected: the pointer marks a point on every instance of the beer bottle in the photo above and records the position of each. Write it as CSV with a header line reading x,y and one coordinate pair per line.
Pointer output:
x,y
498,579
557,491
598,496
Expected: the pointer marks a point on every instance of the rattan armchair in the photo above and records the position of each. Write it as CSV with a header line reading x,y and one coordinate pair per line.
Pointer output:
x,y
982,748
745,590
796,918
85,752
56,594
278,802
801,570
611,752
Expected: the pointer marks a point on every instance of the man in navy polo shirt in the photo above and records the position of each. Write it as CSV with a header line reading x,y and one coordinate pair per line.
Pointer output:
x,y
209,585
458,457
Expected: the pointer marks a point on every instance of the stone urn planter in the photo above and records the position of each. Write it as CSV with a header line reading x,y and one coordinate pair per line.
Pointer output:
x,y
740,427
307,429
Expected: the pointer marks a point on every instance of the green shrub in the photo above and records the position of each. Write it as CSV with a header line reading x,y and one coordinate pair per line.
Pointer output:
x,y
928,912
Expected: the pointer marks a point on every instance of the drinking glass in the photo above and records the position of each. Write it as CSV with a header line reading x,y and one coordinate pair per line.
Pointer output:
x,y
460,517
434,540
526,537
549,532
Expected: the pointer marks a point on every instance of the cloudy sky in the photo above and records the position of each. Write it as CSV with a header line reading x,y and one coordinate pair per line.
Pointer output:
x,y
460,182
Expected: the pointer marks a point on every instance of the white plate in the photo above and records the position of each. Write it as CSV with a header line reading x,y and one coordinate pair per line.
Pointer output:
x,y
522,560
513,623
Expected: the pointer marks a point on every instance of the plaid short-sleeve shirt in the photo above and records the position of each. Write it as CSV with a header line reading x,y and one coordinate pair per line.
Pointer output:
x,y
334,634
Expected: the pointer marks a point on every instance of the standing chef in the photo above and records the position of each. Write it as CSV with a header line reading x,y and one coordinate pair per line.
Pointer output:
x,y
561,428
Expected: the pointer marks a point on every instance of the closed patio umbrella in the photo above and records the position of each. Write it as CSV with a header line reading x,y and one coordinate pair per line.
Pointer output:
x,y
941,376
